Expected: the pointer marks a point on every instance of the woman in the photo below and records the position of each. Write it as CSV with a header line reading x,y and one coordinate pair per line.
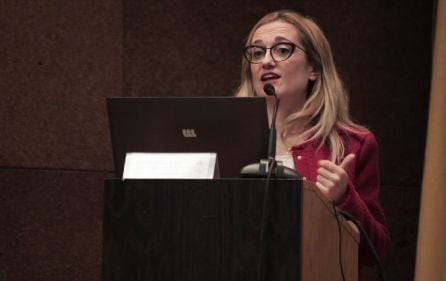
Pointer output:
x,y
316,134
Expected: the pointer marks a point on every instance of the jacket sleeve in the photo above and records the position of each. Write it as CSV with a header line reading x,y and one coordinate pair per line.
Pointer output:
x,y
361,199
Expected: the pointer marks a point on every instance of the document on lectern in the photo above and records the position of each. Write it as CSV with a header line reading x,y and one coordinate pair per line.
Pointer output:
x,y
139,165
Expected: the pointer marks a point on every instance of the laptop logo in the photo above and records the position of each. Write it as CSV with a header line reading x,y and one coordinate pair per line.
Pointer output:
x,y
189,133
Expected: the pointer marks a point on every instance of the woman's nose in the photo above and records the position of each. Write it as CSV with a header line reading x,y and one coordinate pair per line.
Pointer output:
x,y
268,60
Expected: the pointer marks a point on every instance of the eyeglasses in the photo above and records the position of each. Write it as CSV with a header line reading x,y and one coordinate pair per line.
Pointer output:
x,y
279,52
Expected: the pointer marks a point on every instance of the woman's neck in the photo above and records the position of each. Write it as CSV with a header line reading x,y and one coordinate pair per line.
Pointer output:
x,y
294,132
286,108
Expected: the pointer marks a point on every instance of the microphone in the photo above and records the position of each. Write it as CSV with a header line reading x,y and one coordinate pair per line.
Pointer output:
x,y
269,165
271,91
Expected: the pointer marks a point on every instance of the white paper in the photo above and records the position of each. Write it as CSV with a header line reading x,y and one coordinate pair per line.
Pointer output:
x,y
139,165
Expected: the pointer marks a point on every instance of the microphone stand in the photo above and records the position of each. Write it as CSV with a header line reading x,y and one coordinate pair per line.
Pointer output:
x,y
266,169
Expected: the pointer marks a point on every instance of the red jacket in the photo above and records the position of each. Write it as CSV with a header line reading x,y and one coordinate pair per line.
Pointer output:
x,y
362,197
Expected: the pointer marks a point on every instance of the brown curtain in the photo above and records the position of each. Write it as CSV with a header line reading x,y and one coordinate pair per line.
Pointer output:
x,y
431,247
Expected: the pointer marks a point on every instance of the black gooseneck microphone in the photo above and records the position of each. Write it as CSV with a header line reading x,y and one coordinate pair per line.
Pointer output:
x,y
270,91
261,170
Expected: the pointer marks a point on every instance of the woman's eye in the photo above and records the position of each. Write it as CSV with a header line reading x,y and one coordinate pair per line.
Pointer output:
x,y
282,50
258,53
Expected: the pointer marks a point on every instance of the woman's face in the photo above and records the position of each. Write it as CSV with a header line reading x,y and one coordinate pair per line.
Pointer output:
x,y
289,77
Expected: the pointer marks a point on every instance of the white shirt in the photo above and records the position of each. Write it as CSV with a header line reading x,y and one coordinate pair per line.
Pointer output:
x,y
286,159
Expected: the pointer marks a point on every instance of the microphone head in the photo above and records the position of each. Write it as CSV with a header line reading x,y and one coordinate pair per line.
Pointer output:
x,y
269,90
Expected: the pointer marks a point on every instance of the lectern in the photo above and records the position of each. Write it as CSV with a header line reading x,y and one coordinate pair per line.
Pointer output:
x,y
184,230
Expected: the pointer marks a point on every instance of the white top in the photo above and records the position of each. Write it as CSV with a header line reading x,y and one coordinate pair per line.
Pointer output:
x,y
286,159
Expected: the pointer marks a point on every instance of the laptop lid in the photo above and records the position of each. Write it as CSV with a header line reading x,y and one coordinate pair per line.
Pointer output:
x,y
233,127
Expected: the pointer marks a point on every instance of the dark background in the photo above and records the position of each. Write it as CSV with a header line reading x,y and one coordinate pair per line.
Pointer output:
x,y
60,59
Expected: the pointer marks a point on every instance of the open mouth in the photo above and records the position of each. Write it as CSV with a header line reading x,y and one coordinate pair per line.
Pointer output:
x,y
269,76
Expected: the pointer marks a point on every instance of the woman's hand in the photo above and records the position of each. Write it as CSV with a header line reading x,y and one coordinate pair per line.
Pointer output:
x,y
332,179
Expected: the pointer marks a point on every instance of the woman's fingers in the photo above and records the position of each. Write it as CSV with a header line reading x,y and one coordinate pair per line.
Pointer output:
x,y
347,161
332,179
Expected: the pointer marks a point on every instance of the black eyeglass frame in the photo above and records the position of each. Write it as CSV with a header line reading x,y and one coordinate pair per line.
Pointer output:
x,y
294,46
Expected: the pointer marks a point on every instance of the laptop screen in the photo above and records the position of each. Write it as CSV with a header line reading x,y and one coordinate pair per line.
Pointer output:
x,y
233,127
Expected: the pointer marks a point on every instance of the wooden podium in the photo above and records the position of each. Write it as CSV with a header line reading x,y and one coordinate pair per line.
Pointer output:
x,y
181,230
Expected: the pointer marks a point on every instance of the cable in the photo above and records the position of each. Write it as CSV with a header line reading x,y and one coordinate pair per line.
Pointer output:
x,y
265,215
367,239
341,266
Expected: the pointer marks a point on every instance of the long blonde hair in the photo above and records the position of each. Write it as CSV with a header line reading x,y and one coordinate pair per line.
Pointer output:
x,y
326,106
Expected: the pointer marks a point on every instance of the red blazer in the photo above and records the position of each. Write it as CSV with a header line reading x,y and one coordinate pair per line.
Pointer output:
x,y
362,197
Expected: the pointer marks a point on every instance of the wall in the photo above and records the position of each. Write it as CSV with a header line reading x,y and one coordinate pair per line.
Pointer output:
x,y
61,59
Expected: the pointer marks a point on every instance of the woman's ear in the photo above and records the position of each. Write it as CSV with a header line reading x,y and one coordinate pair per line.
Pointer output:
x,y
312,75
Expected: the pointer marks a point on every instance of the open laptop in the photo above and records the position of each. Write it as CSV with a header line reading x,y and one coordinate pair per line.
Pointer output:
x,y
235,128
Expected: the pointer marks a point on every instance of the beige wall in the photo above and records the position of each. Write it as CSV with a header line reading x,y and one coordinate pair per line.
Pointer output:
x,y
431,248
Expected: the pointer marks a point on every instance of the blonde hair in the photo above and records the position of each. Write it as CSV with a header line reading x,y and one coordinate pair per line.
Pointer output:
x,y
326,106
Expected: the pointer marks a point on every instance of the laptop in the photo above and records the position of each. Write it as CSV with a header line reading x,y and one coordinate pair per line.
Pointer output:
x,y
233,127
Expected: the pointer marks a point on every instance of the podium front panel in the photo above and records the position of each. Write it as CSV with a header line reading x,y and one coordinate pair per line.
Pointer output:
x,y
199,230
